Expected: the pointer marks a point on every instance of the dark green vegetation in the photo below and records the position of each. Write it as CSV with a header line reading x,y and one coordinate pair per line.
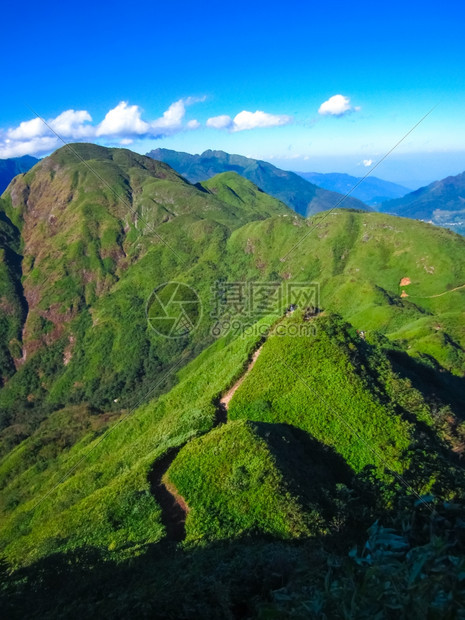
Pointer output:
x,y
372,191
441,202
304,197
9,168
280,497
408,573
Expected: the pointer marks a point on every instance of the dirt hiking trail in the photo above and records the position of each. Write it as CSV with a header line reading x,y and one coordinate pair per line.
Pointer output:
x,y
173,506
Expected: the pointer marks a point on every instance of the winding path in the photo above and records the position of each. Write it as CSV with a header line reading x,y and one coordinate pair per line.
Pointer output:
x,y
173,506
223,404
457,288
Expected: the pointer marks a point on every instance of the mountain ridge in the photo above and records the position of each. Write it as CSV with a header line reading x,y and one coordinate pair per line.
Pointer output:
x,y
302,196
442,202
373,190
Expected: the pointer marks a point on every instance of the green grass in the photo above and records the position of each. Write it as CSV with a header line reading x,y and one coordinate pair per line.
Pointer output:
x,y
318,383
87,275
107,500
90,270
233,487
253,478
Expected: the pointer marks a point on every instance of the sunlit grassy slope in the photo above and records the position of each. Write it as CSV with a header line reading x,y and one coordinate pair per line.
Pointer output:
x,y
78,354
107,499
360,260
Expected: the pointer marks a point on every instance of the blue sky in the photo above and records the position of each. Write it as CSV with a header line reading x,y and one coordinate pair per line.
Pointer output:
x,y
245,77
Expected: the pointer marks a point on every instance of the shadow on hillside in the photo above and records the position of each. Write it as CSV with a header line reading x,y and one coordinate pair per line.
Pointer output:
x,y
231,579
237,580
441,391
433,383
223,580
311,469
173,516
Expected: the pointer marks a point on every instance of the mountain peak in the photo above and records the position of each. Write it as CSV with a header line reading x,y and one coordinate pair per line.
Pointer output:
x,y
441,202
291,189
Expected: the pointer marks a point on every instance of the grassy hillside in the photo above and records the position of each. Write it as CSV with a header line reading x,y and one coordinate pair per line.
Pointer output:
x,y
360,261
107,500
233,485
302,196
349,418
343,391
89,264
234,190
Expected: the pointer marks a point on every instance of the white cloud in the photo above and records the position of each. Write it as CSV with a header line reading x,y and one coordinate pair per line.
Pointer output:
x,y
126,120
122,125
248,120
193,124
27,130
123,122
220,122
32,146
171,121
251,120
367,162
73,124
337,105
68,124
35,137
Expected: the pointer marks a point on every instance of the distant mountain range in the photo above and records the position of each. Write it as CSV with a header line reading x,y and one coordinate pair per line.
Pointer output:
x,y
372,191
441,202
304,197
9,168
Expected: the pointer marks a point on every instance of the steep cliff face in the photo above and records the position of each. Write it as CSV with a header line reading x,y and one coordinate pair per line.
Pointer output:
x,y
13,304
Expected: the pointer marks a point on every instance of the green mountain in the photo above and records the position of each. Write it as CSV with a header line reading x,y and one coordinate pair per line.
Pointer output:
x,y
304,197
372,191
9,168
441,202
235,190
75,258
250,460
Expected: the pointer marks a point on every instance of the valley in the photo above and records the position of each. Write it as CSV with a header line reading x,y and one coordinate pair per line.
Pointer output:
x,y
298,430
